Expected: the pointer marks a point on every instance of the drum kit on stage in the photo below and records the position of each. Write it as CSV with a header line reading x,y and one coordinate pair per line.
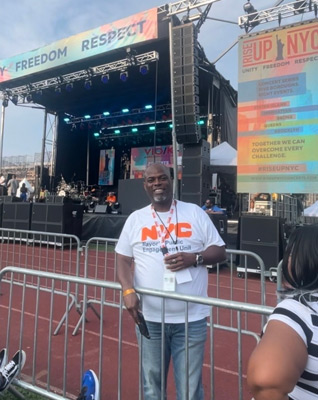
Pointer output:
x,y
78,192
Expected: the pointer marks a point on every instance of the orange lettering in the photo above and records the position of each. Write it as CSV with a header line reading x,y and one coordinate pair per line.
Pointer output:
x,y
149,233
184,229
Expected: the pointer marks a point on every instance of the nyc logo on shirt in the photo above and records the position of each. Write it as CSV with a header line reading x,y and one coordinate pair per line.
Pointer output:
x,y
179,230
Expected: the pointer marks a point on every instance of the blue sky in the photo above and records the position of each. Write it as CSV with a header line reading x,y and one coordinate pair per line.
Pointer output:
x,y
29,24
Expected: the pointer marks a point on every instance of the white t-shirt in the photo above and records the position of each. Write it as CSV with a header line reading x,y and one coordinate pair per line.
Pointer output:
x,y
139,239
305,322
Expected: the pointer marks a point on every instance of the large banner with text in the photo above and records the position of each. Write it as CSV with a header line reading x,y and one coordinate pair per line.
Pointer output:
x,y
125,32
141,157
278,111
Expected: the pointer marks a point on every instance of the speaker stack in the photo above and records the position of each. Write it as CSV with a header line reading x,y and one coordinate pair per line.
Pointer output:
x,y
185,84
196,175
57,218
17,215
262,235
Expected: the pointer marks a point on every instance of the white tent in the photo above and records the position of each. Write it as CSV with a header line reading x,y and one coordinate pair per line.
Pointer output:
x,y
311,211
223,154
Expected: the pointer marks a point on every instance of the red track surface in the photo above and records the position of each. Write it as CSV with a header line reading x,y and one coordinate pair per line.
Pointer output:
x,y
35,338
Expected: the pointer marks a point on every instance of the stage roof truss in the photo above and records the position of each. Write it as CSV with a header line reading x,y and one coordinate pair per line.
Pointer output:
x,y
120,65
186,6
133,112
277,13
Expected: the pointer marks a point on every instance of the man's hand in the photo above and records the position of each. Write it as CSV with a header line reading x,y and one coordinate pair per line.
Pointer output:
x,y
131,302
177,261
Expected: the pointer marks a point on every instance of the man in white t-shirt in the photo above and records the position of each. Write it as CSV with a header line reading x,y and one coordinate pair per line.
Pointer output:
x,y
170,242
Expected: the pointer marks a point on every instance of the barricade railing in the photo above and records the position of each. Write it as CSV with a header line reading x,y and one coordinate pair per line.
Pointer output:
x,y
45,251
55,363
225,282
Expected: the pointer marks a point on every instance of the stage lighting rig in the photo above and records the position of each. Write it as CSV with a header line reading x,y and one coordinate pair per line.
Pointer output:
x,y
276,13
252,15
131,56
105,78
5,101
88,84
69,87
144,69
123,76
29,97
15,99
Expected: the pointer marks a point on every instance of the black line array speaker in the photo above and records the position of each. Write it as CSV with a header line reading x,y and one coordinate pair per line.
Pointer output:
x,y
57,218
185,84
196,174
17,215
262,235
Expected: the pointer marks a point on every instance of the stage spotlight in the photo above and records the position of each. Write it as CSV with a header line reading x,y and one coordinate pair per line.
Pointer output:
x,y
15,99
105,78
106,113
69,87
134,130
66,119
5,102
299,6
96,134
252,14
125,110
123,76
29,97
117,131
148,107
144,69
87,116
88,84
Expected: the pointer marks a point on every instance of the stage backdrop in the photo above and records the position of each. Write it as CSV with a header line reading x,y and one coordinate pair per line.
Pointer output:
x,y
141,157
106,167
278,110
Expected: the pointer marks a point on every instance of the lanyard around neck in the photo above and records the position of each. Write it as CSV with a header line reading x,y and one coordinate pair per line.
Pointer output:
x,y
162,232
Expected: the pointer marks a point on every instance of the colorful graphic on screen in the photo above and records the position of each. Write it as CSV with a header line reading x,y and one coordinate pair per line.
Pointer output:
x,y
141,157
125,32
106,167
278,111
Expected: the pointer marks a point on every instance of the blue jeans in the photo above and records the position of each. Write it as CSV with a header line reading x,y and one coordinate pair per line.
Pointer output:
x,y
174,347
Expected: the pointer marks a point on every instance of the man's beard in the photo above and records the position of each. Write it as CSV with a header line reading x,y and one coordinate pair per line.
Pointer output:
x,y
158,198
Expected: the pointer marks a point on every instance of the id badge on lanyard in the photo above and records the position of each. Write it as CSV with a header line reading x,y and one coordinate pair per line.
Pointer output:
x,y
169,277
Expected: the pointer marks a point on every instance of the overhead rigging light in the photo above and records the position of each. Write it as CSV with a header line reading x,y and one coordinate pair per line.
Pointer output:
x,y
88,84
252,15
144,69
69,87
5,102
29,97
123,76
105,78
15,99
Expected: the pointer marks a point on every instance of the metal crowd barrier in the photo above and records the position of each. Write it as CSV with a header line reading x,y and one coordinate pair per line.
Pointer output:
x,y
55,364
225,282
45,251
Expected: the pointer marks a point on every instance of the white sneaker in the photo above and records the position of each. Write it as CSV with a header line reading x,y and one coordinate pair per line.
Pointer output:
x,y
11,370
